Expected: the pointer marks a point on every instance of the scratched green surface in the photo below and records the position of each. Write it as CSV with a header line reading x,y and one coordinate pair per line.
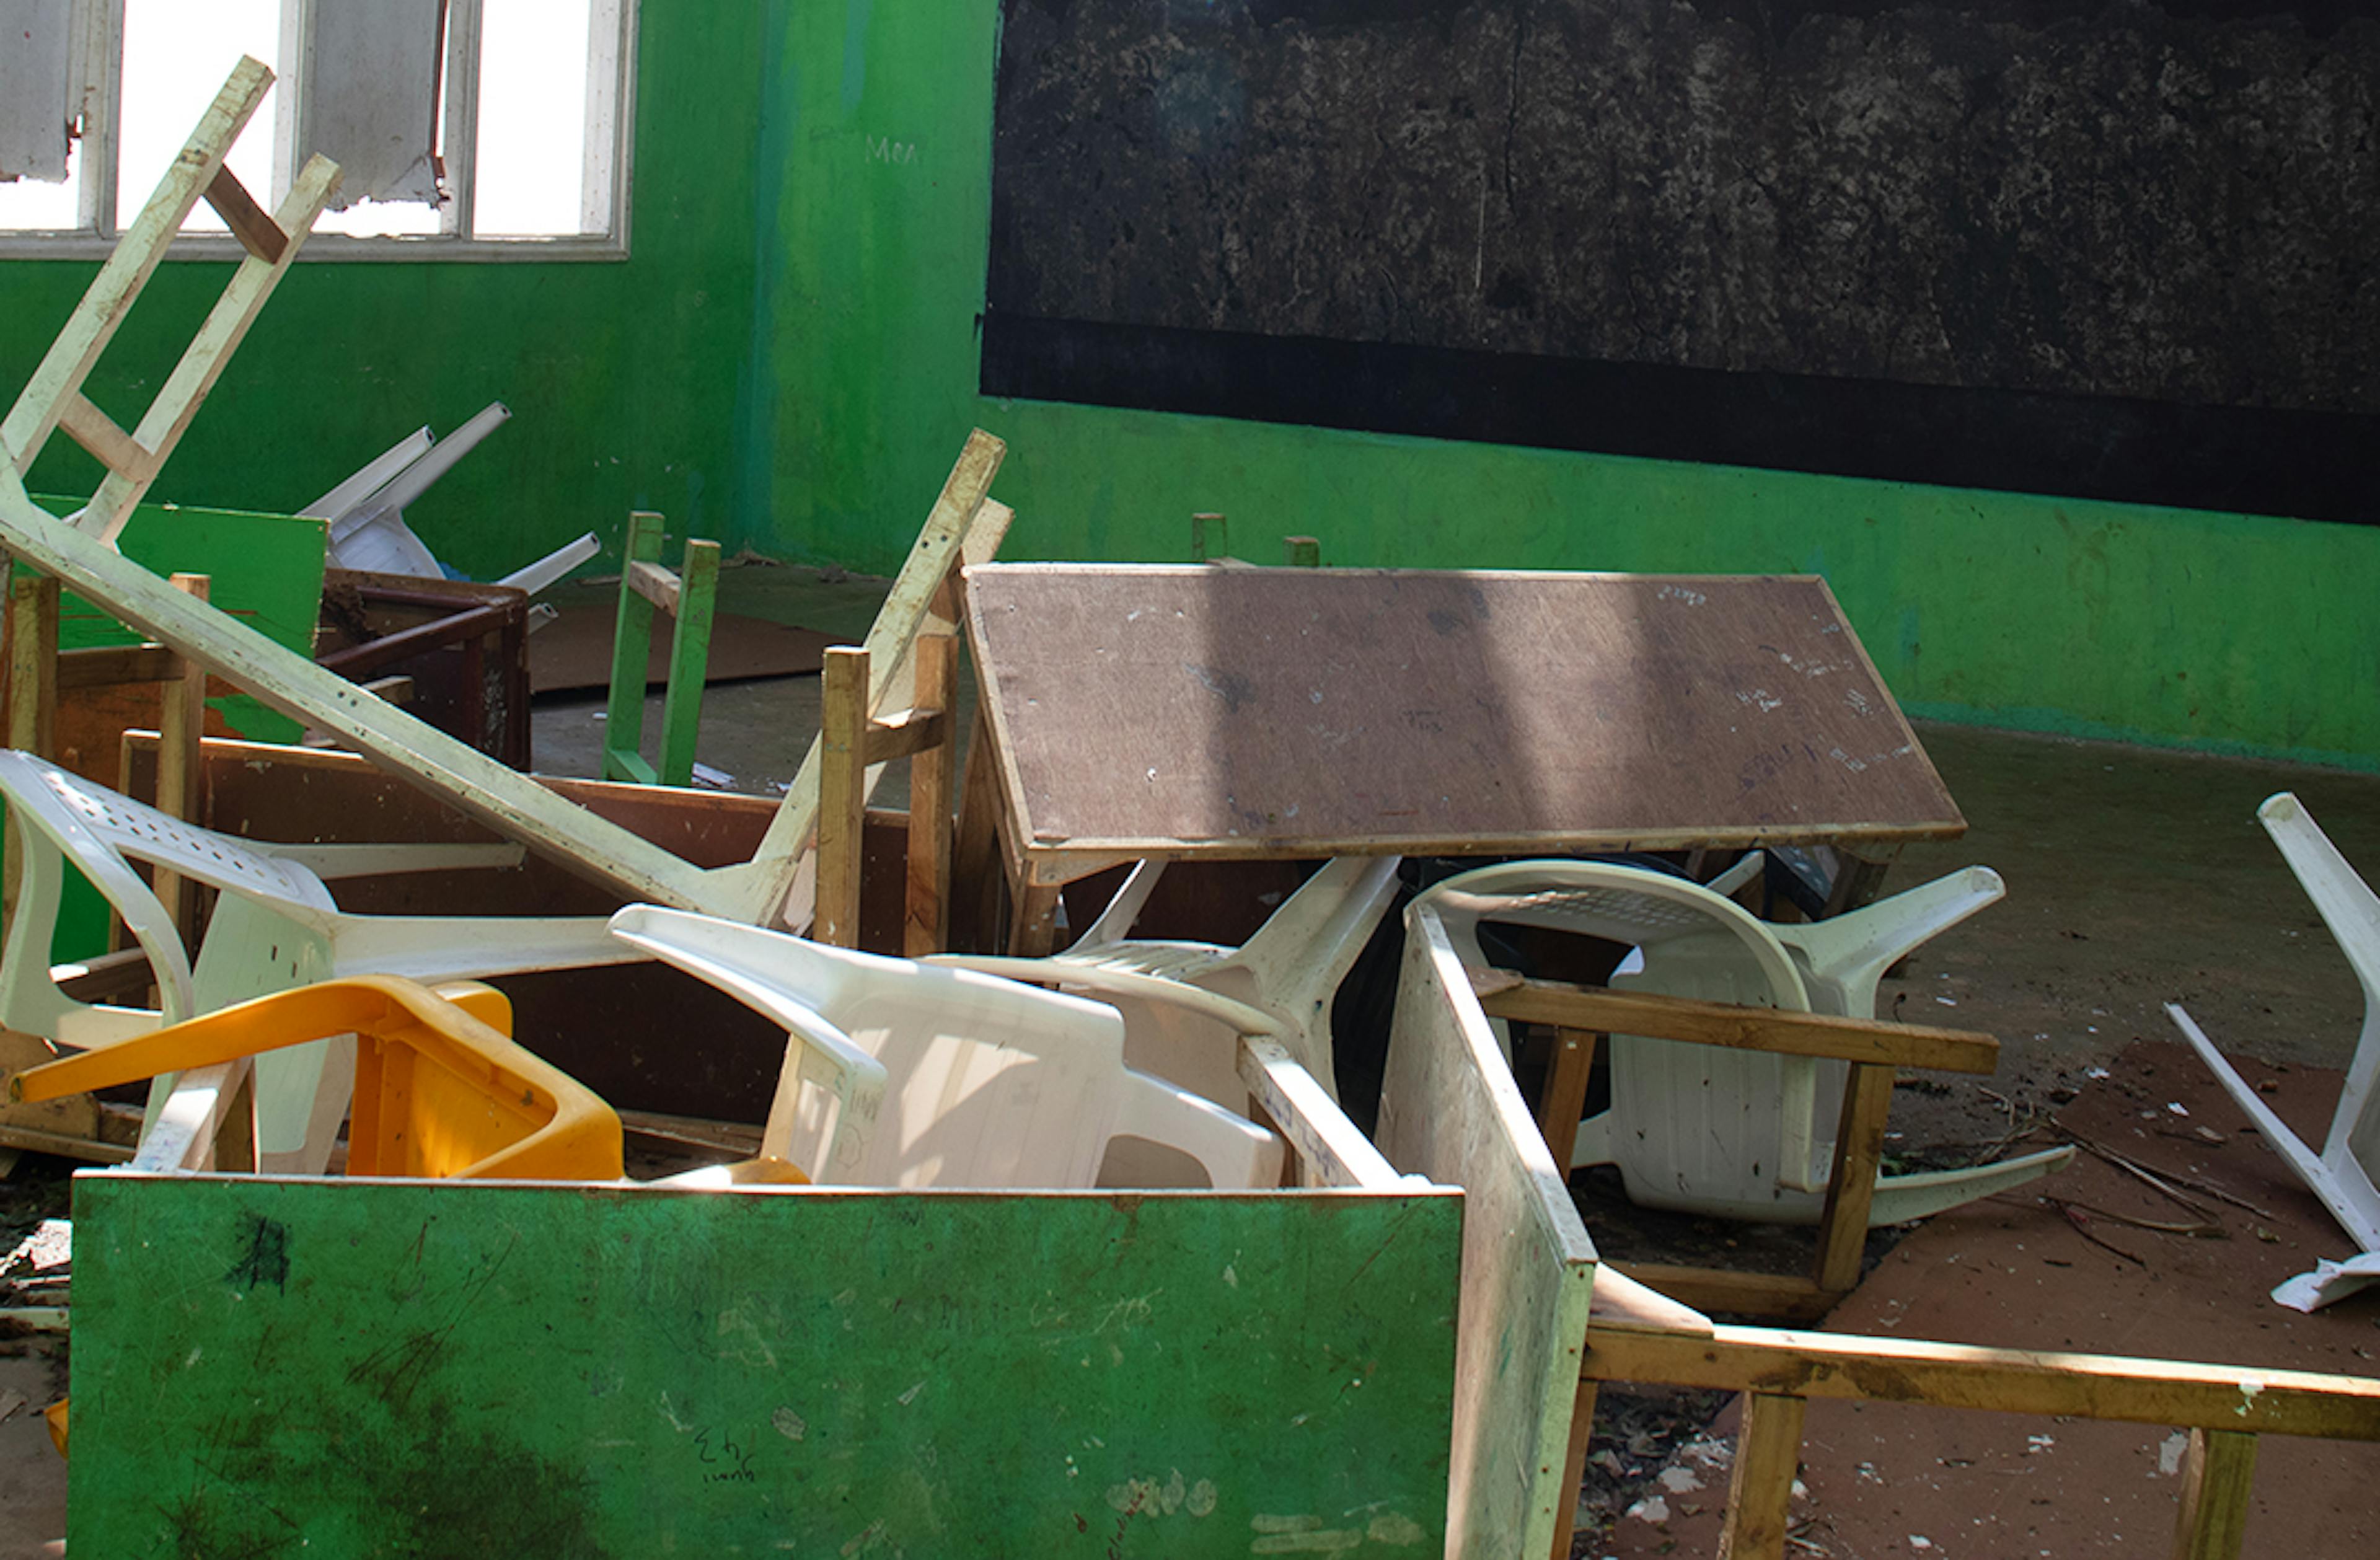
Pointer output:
x,y
267,1369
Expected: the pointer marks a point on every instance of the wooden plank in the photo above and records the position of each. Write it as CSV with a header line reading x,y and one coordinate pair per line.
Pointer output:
x,y
110,296
1784,1296
617,1369
2218,1474
110,667
1581,1436
1451,1111
1319,712
2168,1392
226,325
925,913
1621,1302
769,883
97,433
1747,1028
1850,1187
842,739
1329,1147
654,583
181,727
1760,1492
249,222
909,733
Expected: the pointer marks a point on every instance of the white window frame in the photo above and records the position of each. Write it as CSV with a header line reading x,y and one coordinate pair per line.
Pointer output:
x,y
611,122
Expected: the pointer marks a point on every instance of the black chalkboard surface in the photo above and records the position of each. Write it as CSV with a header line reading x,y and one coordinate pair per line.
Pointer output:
x,y
2107,247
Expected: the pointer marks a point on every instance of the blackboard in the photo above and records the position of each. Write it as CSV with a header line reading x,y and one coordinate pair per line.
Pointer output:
x,y
2118,250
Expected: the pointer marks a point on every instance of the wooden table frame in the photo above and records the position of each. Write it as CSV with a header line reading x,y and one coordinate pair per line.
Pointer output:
x,y
1034,857
1581,1016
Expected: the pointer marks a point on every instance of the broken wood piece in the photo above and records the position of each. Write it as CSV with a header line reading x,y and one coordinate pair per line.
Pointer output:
x,y
1749,1028
653,582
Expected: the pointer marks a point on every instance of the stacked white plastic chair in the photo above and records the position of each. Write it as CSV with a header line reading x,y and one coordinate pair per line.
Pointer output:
x,y
275,925
1707,1129
902,1074
2342,1173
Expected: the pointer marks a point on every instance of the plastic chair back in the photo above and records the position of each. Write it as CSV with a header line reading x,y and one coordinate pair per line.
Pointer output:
x,y
986,1082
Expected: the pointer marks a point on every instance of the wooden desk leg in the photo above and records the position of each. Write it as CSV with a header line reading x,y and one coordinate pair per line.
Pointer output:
x,y
1760,1496
843,796
926,925
181,728
1565,1096
1582,1431
1851,1190
2215,1479
1034,930
33,688
976,879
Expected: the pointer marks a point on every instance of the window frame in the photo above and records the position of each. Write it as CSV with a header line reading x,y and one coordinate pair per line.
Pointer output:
x,y
608,156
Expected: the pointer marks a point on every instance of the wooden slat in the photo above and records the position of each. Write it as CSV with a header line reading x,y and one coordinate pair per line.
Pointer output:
x,y
1853,1367
1746,1028
1850,1190
842,778
2218,1475
249,222
908,733
1786,1296
1621,1302
1329,1147
32,693
1760,1492
109,665
109,445
1565,1096
656,584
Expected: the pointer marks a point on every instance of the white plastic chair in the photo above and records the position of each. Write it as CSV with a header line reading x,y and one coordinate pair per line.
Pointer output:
x,y
2342,1174
1279,984
902,1074
1707,1129
274,926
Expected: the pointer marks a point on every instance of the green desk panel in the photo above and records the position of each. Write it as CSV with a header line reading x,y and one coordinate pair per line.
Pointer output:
x,y
355,1368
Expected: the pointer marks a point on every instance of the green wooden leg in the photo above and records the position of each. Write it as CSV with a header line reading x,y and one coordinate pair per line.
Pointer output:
x,y
632,639
689,661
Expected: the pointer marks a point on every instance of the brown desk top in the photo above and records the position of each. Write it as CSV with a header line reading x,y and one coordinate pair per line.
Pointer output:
x,y
1201,711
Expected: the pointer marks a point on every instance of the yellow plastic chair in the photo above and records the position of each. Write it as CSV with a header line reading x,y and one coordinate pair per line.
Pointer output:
x,y
440,1089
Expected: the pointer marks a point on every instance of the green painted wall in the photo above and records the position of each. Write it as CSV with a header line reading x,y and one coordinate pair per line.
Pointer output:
x,y
624,378
2228,632
789,362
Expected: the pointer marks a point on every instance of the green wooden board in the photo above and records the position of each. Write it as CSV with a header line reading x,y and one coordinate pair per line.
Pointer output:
x,y
269,1368
267,570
